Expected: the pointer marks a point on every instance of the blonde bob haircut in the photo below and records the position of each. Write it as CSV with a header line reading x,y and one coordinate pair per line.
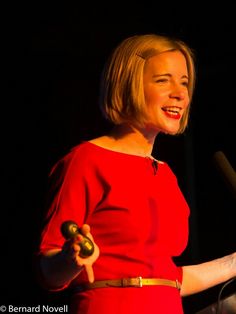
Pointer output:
x,y
121,90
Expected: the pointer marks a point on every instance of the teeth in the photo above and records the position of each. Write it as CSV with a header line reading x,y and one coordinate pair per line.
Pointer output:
x,y
172,109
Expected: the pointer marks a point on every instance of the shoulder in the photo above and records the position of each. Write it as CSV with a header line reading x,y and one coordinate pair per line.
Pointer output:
x,y
77,156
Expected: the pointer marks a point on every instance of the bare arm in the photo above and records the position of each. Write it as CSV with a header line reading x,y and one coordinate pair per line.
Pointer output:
x,y
59,267
197,278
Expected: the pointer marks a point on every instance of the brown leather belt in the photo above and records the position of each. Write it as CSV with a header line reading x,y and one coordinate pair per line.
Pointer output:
x,y
137,282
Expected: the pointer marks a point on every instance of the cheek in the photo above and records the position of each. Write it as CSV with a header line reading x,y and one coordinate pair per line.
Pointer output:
x,y
152,98
186,102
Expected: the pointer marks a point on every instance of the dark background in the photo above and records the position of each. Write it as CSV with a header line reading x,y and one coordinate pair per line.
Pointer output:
x,y
54,56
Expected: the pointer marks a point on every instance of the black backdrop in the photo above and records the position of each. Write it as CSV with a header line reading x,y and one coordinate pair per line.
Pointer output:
x,y
55,54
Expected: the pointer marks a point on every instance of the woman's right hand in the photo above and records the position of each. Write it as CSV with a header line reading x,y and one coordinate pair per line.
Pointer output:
x,y
58,267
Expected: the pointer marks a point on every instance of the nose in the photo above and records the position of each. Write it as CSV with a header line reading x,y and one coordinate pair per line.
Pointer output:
x,y
179,92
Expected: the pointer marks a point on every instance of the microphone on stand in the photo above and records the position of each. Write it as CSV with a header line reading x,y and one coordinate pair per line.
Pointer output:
x,y
226,170
69,230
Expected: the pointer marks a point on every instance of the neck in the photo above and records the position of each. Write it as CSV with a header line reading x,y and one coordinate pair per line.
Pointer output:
x,y
134,140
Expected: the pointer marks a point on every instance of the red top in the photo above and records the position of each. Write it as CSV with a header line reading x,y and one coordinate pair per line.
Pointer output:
x,y
138,218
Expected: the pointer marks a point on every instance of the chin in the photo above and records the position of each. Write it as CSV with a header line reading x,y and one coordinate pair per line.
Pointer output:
x,y
166,129
170,131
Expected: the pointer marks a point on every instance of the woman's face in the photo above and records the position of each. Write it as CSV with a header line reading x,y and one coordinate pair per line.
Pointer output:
x,y
166,91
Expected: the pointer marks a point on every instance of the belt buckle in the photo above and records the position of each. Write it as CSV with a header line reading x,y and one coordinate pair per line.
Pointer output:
x,y
138,282
132,282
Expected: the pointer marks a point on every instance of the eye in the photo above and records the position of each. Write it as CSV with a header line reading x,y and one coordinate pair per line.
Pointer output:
x,y
162,80
185,83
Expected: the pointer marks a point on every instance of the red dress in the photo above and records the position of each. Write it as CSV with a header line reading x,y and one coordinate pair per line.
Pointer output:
x,y
138,218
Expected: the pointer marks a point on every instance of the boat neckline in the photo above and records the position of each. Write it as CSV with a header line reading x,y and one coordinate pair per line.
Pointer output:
x,y
122,153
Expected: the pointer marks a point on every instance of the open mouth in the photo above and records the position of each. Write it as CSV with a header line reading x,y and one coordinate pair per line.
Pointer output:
x,y
172,112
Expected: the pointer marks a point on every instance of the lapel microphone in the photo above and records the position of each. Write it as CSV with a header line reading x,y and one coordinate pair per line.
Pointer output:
x,y
155,166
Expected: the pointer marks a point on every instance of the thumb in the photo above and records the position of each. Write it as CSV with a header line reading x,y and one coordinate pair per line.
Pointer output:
x,y
90,273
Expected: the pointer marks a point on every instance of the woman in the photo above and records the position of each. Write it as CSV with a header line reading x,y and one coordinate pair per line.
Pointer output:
x,y
131,201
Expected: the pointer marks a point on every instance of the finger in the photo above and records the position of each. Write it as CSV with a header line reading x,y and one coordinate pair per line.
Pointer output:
x,y
90,273
71,247
85,229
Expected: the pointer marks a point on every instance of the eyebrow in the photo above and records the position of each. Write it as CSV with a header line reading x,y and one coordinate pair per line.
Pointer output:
x,y
169,75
